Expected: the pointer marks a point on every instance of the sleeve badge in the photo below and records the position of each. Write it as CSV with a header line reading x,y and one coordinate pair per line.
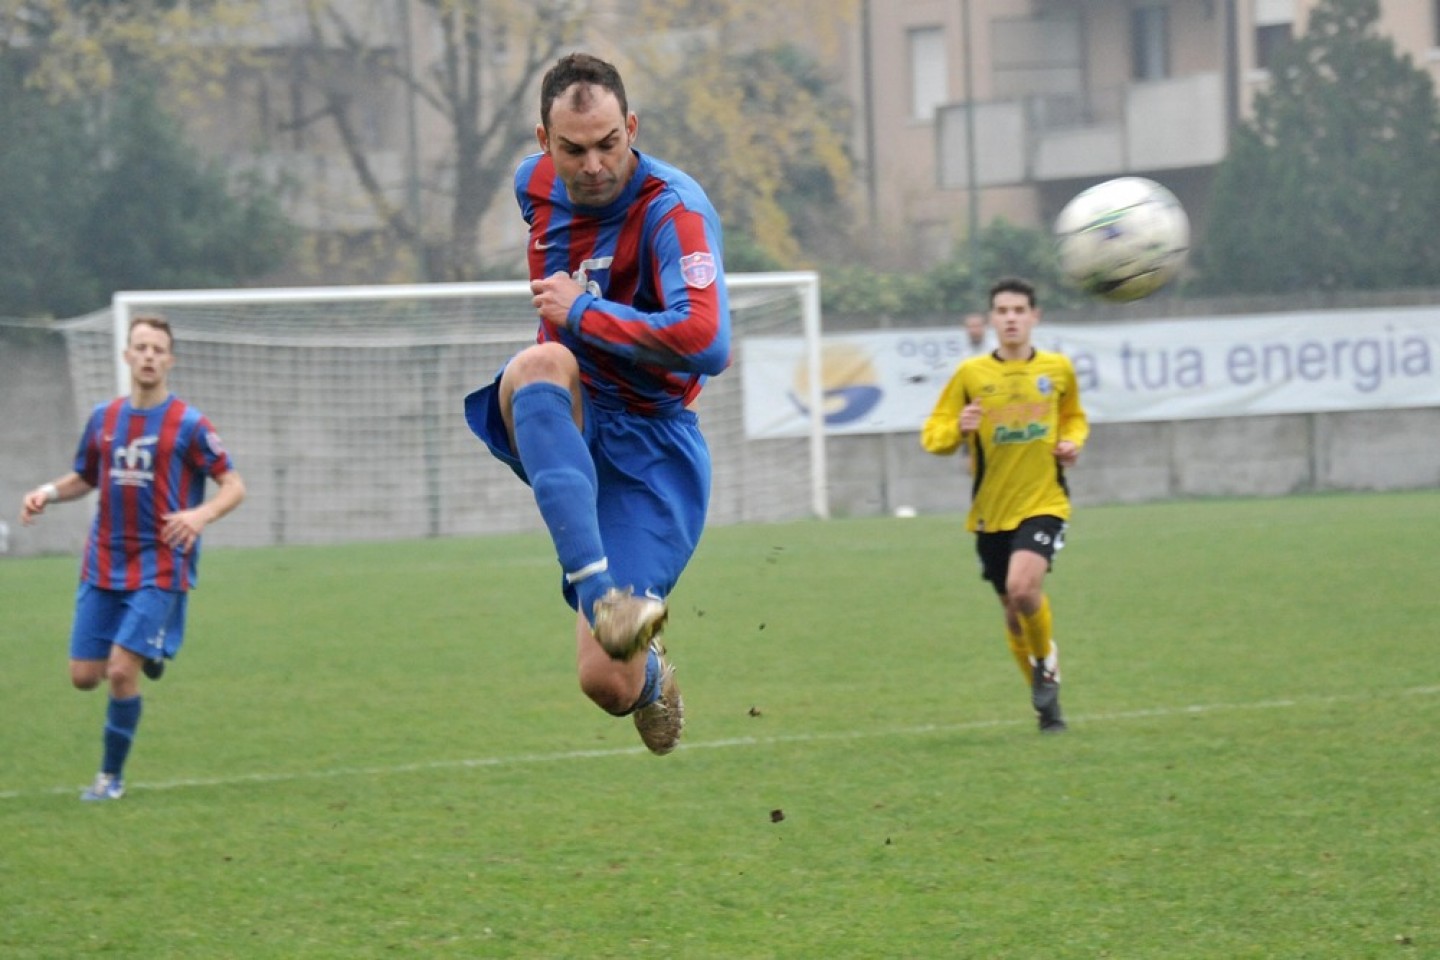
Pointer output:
x,y
699,269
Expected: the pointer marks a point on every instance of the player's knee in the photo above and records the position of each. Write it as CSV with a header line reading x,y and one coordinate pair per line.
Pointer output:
x,y
1023,596
124,678
550,362
86,677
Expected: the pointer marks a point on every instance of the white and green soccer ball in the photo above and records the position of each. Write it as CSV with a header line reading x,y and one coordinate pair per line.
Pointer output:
x,y
1122,239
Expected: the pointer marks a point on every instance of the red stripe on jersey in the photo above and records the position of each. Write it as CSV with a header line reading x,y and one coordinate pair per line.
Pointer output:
x,y
104,519
583,231
169,568
130,514
542,181
625,271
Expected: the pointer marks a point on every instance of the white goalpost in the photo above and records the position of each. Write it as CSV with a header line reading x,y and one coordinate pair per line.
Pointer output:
x,y
343,405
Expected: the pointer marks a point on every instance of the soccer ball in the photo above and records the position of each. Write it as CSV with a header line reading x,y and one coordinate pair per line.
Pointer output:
x,y
1122,239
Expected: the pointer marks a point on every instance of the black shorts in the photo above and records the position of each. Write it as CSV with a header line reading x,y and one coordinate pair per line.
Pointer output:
x,y
1043,535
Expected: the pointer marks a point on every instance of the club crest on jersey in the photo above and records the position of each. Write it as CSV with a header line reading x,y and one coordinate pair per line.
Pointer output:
x,y
699,270
1044,385
132,462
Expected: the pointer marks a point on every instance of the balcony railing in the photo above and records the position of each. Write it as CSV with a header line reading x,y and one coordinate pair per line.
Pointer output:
x,y
1155,125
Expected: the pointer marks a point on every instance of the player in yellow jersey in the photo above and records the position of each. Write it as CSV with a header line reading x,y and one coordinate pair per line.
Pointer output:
x,y
1017,412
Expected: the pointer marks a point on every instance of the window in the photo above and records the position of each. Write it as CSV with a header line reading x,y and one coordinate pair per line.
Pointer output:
x,y
929,73
1268,40
1150,43
1274,26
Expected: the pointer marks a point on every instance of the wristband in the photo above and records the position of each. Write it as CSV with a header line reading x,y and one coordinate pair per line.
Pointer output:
x,y
50,492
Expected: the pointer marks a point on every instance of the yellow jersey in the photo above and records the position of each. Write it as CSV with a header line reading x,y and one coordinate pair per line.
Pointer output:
x,y
1028,407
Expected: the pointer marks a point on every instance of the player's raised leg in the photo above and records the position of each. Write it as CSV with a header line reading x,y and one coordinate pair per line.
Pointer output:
x,y
540,402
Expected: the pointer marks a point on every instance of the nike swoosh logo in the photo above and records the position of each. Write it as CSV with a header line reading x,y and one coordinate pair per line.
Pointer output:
x,y
542,245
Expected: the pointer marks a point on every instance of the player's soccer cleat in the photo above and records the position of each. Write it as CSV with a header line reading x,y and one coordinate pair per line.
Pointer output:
x,y
1045,693
661,722
154,669
1054,723
625,623
107,786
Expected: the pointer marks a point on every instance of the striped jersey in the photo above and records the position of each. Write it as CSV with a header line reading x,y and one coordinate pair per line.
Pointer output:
x,y
146,464
1028,407
654,321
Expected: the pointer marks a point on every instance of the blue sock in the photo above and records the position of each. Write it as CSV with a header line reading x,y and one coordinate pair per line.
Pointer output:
x,y
122,718
650,692
562,475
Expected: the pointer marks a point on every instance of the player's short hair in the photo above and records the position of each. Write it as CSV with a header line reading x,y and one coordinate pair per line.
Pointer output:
x,y
1013,285
587,71
151,320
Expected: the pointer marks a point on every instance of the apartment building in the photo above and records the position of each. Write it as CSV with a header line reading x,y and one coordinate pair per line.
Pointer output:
x,y
965,110
977,109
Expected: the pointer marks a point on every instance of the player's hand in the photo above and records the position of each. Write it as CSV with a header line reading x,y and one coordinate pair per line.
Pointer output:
x,y
553,296
32,506
970,417
1067,453
182,528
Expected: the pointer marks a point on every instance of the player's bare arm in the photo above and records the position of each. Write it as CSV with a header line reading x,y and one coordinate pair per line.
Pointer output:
x,y
1066,453
69,487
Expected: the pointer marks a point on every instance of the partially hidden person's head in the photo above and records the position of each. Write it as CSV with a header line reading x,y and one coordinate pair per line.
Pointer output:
x,y
975,327
587,128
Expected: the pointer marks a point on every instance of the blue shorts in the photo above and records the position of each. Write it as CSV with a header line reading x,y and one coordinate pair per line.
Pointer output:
x,y
149,622
653,476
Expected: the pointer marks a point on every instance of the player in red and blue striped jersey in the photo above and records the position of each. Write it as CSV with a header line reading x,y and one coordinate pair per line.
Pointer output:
x,y
626,269
149,455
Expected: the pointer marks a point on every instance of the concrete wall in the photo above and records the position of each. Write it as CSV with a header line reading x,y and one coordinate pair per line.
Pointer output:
x,y
1241,456
38,433
1134,462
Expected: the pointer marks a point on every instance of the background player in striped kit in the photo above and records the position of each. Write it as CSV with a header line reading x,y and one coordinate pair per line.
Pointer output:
x,y
625,263
149,455
1017,410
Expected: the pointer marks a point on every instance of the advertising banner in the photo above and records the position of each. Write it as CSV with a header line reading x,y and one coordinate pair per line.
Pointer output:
x,y
887,381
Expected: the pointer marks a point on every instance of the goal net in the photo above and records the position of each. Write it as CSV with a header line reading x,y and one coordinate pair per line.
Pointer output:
x,y
342,406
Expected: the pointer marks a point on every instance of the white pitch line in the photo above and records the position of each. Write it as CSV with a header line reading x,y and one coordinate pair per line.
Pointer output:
x,y
759,741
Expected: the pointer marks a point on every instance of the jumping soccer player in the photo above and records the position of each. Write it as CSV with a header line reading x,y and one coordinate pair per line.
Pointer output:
x,y
149,455
626,270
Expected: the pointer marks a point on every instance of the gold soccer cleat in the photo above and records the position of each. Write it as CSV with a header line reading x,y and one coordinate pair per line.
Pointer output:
x,y
661,722
625,623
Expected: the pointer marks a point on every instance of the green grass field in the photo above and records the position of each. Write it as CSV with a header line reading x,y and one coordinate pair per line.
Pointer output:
x,y
380,751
